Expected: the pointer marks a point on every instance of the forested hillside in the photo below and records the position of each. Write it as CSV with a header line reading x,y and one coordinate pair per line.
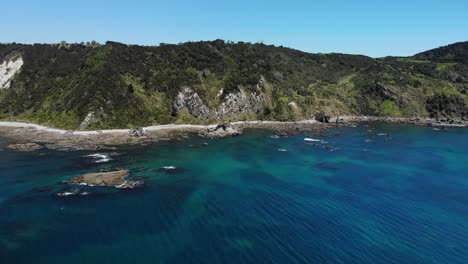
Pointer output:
x,y
115,85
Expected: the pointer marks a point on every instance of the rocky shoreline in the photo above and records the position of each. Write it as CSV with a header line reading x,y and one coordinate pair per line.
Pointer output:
x,y
30,137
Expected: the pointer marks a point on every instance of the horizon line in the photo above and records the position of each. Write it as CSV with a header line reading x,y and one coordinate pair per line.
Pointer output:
x,y
85,43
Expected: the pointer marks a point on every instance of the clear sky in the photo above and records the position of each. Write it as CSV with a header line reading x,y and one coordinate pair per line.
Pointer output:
x,y
370,27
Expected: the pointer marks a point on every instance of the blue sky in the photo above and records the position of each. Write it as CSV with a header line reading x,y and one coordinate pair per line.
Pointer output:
x,y
370,27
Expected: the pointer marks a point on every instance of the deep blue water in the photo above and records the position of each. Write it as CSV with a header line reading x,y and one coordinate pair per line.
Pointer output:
x,y
401,198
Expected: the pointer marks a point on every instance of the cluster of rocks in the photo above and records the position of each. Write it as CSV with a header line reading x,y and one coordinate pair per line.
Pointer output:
x,y
136,132
117,179
281,134
25,147
223,130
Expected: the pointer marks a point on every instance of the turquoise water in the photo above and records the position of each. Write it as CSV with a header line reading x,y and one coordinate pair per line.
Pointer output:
x,y
401,198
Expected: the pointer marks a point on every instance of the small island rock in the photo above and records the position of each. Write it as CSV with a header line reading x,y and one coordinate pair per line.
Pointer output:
x,y
116,179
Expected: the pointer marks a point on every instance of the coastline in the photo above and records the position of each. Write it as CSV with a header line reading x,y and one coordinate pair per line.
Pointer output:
x,y
59,139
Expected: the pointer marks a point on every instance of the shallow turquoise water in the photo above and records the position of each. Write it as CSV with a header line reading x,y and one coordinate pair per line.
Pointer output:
x,y
402,198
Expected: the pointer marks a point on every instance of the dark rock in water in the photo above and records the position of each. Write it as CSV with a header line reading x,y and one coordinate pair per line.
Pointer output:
x,y
339,120
281,134
204,144
24,147
322,117
116,179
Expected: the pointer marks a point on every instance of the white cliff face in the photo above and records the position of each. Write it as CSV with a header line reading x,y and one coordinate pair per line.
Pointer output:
x,y
8,69
92,118
234,104
237,103
192,101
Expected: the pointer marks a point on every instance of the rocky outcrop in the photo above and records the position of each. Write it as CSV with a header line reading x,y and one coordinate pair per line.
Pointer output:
x,y
223,130
24,147
136,132
117,179
443,106
192,101
9,68
322,117
235,104
93,117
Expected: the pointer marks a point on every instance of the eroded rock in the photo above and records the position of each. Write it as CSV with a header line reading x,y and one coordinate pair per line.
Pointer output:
x,y
322,117
136,132
117,179
24,147
223,130
9,68
235,104
192,101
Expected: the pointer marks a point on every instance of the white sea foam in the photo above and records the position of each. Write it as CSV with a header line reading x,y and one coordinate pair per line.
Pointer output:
x,y
99,158
169,167
65,193
312,140
315,140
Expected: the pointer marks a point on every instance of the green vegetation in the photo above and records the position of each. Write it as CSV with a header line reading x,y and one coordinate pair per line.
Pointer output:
x,y
389,108
132,86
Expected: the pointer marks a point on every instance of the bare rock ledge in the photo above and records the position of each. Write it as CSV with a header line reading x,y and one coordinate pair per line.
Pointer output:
x,y
117,179
24,147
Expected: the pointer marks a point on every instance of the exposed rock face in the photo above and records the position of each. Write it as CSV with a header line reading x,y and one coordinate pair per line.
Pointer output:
x,y
92,118
25,147
322,117
234,104
192,101
8,69
447,106
223,130
237,103
383,91
136,132
110,179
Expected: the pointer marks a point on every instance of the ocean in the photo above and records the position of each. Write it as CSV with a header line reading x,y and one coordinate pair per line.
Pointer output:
x,y
381,193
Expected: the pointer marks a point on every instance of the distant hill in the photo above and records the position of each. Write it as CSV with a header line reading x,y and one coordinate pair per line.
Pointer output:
x,y
117,85
457,52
